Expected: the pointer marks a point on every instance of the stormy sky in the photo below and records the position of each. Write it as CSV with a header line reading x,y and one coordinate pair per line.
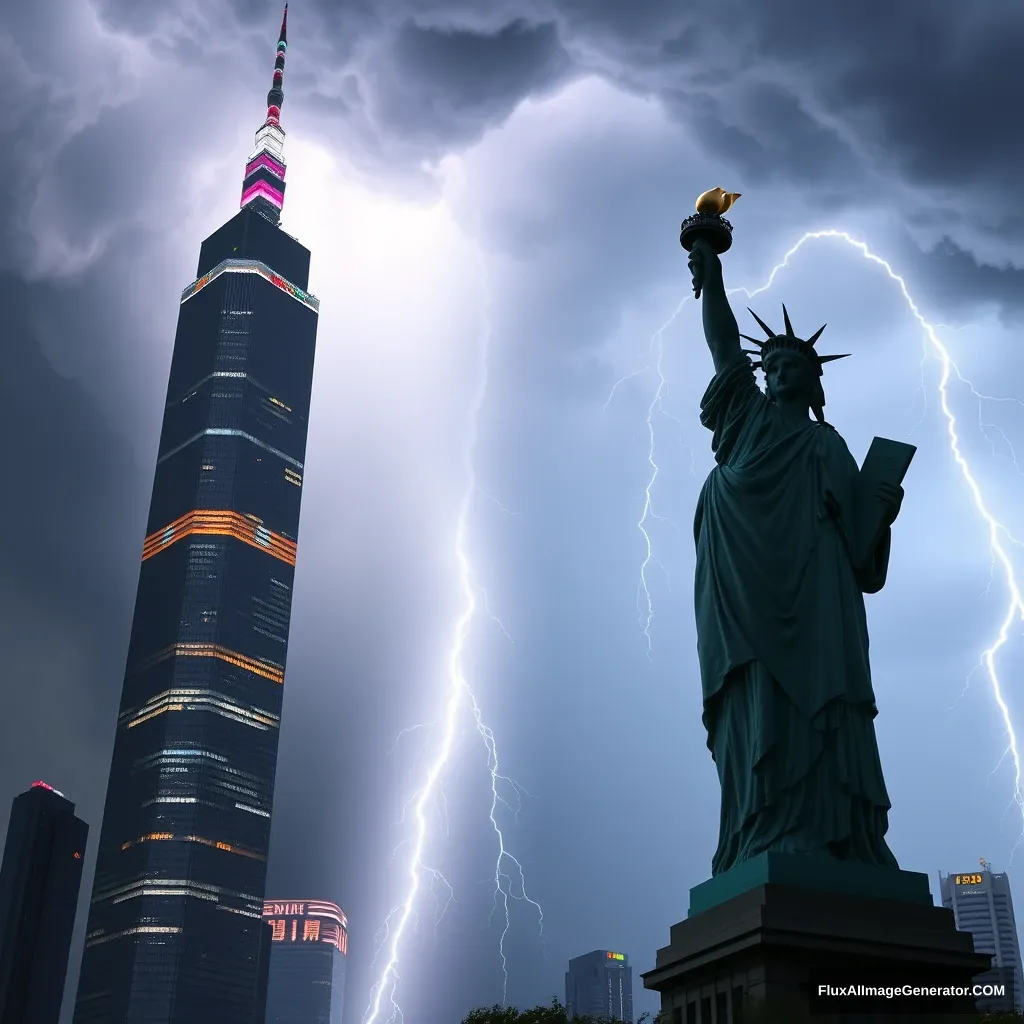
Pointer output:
x,y
492,194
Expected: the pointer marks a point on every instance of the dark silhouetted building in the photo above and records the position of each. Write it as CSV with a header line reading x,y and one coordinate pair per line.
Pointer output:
x,y
176,921
259,1013
39,883
600,984
982,905
307,961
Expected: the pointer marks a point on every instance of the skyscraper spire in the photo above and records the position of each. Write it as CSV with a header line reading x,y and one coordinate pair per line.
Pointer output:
x,y
263,186
276,95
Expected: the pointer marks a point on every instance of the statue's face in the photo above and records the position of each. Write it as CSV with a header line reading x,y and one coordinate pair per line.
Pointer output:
x,y
789,376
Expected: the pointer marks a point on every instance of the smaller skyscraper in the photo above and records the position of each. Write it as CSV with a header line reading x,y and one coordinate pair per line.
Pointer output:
x,y
309,946
600,984
982,905
39,882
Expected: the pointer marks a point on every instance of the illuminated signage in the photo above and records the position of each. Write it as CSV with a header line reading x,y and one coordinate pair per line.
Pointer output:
x,y
307,921
616,956
252,267
974,879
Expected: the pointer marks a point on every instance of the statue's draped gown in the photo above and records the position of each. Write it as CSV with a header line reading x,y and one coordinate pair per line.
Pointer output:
x,y
782,635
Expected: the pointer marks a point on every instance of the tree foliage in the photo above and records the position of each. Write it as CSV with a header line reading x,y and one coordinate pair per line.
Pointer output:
x,y
556,1013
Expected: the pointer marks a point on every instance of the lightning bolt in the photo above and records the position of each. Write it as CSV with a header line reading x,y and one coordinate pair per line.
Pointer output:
x,y
509,880
644,601
998,534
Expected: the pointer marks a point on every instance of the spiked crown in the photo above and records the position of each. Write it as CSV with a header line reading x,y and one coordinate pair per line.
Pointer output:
x,y
790,341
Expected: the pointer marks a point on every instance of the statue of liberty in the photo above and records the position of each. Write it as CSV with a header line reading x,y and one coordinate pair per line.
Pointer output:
x,y
782,635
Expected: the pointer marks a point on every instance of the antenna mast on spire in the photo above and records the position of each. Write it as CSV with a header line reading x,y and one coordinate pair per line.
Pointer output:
x,y
263,186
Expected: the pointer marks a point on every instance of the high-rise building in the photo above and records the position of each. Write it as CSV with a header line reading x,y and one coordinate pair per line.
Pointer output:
x,y
982,905
39,882
175,924
307,961
600,984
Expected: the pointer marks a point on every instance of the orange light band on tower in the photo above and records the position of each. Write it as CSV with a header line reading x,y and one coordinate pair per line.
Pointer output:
x,y
152,837
221,523
188,650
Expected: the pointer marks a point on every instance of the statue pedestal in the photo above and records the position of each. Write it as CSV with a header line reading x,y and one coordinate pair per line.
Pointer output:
x,y
775,942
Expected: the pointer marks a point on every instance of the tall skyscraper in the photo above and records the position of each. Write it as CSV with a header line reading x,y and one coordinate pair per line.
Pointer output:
x,y
600,984
175,924
982,905
307,961
39,882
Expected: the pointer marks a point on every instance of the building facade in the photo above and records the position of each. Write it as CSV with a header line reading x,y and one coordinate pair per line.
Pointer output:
x,y
39,884
307,961
600,984
982,905
176,919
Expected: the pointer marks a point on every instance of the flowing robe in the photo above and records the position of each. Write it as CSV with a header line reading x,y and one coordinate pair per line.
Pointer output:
x,y
782,635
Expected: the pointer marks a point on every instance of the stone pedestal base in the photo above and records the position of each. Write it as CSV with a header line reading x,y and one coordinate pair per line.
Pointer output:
x,y
760,956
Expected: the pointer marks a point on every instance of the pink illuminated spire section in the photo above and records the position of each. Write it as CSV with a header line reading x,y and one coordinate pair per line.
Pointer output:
x,y
263,183
266,190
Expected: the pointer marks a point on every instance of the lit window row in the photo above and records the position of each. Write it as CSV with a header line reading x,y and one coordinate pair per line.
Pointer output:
x,y
228,432
201,840
241,913
177,755
210,522
232,788
251,267
190,757
258,666
201,700
97,939
194,390
170,887
252,810
292,477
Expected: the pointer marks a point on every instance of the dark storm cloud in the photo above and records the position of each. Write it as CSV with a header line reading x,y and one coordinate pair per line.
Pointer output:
x,y
783,92
441,86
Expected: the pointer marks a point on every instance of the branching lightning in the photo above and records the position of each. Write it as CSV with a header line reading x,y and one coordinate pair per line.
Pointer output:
x,y
999,535
644,602
509,880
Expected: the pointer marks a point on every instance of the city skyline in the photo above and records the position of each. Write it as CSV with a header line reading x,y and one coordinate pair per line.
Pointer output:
x,y
509,182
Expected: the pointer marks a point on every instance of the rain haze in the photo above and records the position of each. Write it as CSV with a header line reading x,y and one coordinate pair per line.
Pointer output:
x,y
506,393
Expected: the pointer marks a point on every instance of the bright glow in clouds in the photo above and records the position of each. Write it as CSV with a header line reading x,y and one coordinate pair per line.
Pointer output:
x,y
998,534
406,278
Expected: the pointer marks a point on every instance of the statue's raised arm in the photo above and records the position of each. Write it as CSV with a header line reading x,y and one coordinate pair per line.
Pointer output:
x,y
720,328
705,235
